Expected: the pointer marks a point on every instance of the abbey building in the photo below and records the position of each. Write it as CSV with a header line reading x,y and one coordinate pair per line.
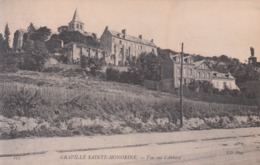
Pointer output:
x,y
116,47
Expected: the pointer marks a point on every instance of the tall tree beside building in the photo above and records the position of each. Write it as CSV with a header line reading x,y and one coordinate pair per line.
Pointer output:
x,y
7,39
41,34
30,30
1,43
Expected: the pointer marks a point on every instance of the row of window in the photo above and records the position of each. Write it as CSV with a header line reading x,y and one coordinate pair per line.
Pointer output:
x,y
189,72
78,26
203,75
126,51
135,46
189,60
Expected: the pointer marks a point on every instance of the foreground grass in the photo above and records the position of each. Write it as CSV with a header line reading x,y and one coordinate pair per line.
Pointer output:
x,y
70,103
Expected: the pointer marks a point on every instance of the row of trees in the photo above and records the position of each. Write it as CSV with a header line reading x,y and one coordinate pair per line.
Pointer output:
x,y
224,64
35,52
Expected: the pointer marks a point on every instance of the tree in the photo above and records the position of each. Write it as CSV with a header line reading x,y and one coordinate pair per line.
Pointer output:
x,y
94,35
201,86
194,85
92,63
7,39
1,43
41,34
147,66
30,30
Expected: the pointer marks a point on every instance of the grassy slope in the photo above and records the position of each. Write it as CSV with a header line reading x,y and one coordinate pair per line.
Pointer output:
x,y
64,98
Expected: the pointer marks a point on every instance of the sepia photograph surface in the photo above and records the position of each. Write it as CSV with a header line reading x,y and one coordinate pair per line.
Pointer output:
x,y
114,82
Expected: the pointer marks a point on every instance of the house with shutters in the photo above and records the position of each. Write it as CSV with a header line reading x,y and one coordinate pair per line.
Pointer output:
x,y
199,70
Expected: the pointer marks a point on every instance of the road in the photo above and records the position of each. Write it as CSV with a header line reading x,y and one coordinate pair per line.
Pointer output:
x,y
217,150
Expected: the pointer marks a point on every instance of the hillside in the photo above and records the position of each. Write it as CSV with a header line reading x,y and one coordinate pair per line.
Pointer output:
x,y
66,103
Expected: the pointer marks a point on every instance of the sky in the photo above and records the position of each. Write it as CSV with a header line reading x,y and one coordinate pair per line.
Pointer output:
x,y
206,27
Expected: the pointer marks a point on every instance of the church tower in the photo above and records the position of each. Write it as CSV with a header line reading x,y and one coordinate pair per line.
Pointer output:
x,y
75,24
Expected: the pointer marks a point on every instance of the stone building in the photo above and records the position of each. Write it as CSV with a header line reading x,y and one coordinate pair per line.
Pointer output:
x,y
120,46
200,70
18,39
74,50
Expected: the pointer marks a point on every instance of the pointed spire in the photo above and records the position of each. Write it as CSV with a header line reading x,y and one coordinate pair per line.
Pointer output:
x,y
75,17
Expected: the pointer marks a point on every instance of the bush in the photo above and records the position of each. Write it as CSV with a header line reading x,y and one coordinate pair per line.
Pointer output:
x,y
112,74
8,63
20,102
33,62
130,76
92,63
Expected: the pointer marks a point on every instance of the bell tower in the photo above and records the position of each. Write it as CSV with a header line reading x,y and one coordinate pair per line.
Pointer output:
x,y
76,24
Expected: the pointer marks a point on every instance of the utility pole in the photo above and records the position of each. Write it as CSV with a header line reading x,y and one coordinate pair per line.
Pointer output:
x,y
181,87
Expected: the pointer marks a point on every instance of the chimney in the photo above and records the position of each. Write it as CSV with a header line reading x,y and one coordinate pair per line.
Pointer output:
x,y
151,40
140,36
124,31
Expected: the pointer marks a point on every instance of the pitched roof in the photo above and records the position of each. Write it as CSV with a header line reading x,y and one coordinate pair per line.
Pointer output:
x,y
198,63
131,38
75,17
218,75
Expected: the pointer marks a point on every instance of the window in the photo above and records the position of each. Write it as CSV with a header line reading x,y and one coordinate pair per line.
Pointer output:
x,y
77,26
120,42
80,26
208,75
198,74
115,48
190,71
